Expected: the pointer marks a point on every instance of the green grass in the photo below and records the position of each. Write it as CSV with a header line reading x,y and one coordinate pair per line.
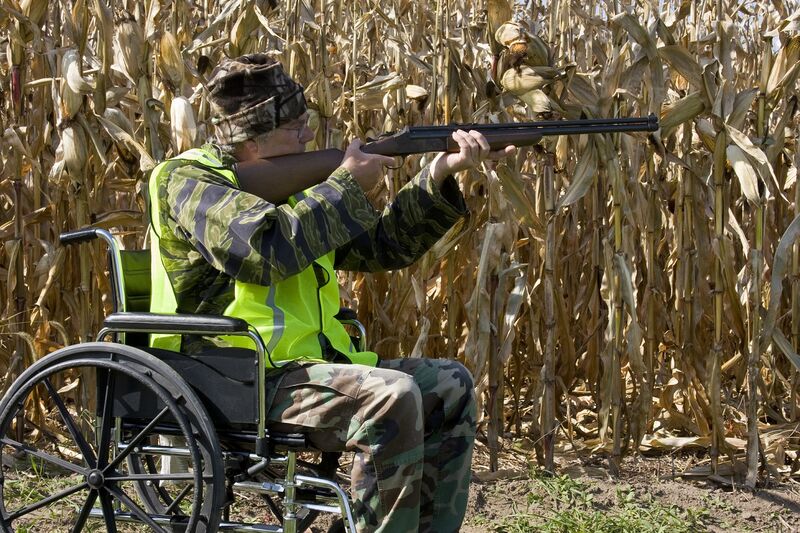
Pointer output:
x,y
28,482
561,504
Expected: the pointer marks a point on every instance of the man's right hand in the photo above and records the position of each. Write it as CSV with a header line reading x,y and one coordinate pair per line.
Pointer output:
x,y
366,169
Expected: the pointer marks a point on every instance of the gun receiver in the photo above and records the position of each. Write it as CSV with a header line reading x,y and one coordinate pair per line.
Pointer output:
x,y
277,178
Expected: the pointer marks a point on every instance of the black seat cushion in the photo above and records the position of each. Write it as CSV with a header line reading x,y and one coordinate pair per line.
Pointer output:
x,y
224,379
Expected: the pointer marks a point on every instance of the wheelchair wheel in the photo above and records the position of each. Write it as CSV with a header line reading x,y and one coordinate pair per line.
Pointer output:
x,y
166,490
69,426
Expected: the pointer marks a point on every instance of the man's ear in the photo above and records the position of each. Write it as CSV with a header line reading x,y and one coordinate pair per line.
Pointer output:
x,y
247,150
251,145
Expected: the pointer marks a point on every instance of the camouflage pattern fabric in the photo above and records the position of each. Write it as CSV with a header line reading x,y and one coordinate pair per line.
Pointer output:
x,y
411,423
252,95
213,232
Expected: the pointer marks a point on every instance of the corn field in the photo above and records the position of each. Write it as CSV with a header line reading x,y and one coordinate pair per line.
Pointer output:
x,y
623,293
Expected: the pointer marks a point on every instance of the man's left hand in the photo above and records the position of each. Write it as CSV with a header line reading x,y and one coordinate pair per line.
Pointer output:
x,y
474,149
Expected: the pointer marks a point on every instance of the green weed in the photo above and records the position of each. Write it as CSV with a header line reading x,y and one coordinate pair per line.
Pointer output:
x,y
574,510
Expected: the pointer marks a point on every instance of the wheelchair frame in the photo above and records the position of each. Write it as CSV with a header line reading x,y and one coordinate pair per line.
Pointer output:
x,y
191,419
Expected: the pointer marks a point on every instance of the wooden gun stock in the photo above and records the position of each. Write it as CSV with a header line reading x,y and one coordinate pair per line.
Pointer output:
x,y
277,178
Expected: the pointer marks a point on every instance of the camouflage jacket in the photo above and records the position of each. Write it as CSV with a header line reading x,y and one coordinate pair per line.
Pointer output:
x,y
213,233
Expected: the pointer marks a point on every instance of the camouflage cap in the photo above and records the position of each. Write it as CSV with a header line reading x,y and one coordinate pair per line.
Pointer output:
x,y
251,95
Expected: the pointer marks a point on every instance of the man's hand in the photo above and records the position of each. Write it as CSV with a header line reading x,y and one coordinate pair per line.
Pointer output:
x,y
474,150
367,169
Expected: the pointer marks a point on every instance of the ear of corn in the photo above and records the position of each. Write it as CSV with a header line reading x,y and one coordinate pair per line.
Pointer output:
x,y
170,62
75,148
183,126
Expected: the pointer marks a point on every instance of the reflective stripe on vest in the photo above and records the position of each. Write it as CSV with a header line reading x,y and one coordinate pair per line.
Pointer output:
x,y
293,318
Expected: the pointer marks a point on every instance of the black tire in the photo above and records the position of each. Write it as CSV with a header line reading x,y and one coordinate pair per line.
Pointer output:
x,y
94,474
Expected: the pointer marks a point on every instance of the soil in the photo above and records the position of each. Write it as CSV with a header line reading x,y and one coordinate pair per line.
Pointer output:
x,y
680,481
520,488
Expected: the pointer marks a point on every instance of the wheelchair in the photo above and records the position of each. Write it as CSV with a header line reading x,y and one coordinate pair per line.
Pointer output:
x,y
93,433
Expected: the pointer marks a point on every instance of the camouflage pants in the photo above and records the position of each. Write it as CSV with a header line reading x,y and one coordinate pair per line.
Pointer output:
x,y
411,423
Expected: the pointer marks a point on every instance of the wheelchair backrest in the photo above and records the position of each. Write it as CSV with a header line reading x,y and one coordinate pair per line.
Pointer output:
x,y
135,277
130,286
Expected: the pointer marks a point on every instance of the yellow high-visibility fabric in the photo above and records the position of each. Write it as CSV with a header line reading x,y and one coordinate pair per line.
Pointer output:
x,y
289,315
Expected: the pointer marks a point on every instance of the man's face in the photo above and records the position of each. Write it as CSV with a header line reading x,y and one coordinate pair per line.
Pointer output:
x,y
289,138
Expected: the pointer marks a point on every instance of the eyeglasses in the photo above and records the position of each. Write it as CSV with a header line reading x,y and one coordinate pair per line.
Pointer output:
x,y
298,125
282,99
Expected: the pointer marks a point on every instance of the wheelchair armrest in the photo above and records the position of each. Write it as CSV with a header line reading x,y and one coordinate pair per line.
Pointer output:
x,y
348,317
162,323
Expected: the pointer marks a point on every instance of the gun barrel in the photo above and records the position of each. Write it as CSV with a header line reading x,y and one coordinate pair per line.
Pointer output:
x,y
555,127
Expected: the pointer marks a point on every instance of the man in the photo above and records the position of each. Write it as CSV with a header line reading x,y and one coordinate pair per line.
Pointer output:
x,y
220,250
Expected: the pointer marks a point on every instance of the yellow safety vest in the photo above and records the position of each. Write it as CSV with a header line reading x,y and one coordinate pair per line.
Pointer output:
x,y
295,316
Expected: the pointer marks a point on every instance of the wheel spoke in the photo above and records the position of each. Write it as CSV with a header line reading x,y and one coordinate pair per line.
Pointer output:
x,y
108,512
137,440
87,507
105,430
66,465
47,501
135,509
152,477
86,450
178,499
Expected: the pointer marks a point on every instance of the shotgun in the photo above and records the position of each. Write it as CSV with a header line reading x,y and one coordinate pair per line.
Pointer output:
x,y
277,178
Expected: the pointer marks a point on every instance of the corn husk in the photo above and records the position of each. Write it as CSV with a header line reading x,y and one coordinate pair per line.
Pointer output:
x,y
170,61
71,72
182,124
75,148
129,50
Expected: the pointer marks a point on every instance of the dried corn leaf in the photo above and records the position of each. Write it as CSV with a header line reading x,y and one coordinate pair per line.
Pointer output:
x,y
478,307
785,68
786,347
583,177
781,262
741,105
685,63
513,187
743,168
370,95
54,269
119,135
756,156
513,304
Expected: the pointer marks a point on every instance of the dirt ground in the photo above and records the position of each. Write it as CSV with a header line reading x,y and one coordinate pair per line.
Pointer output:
x,y
670,494
676,485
